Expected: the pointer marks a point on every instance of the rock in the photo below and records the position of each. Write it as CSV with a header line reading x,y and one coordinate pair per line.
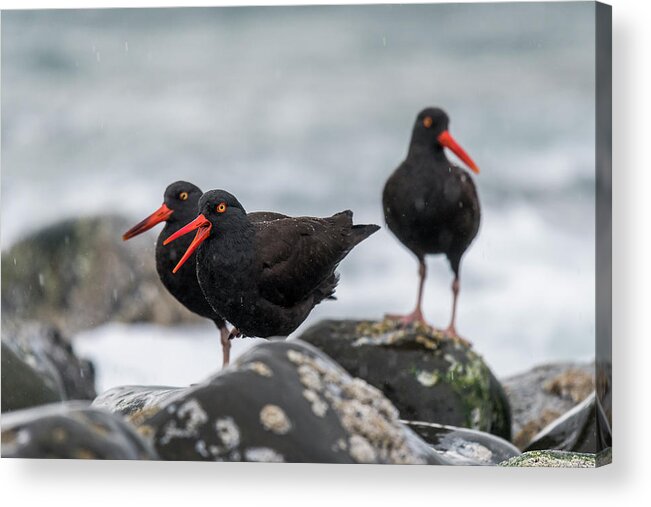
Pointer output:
x,y
554,459
462,446
41,368
70,430
136,403
279,402
428,377
22,385
576,430
79,273
542,394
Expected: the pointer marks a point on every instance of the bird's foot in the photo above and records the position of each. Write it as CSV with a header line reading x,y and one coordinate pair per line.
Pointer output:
x,y
235,333
451,334
414,318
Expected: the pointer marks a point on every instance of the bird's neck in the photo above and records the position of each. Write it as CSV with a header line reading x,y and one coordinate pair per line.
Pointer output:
x,y
426,151
231,243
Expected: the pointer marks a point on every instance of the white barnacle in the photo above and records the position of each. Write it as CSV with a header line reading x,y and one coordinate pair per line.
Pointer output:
x,y
273,418
263,455
310,378
228,432
196,417
361,450
428,378
319,407
260,368
296,357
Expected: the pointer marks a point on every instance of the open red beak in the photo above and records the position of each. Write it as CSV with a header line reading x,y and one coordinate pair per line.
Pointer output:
x,y
158,216
448,141
204,226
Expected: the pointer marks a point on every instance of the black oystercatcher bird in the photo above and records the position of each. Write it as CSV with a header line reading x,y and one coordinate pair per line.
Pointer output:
x,y
179,207
266,277
431,205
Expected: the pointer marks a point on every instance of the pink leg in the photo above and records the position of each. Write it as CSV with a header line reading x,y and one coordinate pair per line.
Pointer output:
x,y
226,345
417,314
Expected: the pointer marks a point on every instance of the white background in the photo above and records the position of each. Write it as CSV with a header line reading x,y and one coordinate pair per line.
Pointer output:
x,y
626,481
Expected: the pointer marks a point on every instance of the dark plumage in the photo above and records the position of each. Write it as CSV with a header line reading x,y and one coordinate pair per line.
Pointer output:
x,y
179,206
430,204
266,277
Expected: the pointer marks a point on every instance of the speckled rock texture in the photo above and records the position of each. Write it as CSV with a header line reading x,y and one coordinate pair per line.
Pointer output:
x,y
462,446
552,459
77,274
71,430
39,366
427,376
576,430
543,394
279,402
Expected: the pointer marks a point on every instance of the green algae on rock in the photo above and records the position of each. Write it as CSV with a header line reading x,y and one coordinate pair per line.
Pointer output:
x,y
426,375
552,459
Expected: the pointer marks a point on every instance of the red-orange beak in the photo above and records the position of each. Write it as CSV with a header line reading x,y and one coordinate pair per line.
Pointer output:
x,y
448,141
204,226
158,216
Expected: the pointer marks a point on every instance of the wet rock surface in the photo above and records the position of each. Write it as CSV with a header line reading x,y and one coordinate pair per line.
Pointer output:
x,y
279,402
40,366
70,430
135,403
77,274
543,394
462,446
553,459
576,430
22,385
426,376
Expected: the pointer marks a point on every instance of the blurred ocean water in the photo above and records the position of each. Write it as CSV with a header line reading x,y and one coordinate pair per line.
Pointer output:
x,y
308,110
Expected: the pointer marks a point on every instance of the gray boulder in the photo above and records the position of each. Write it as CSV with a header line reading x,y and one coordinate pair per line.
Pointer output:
x,y
462,446
279,402
576,430
427,376
40,366
79,273
543,394
70,430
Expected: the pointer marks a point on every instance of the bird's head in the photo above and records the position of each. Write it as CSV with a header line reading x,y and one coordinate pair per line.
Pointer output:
x,y
179,204
218,209
431,130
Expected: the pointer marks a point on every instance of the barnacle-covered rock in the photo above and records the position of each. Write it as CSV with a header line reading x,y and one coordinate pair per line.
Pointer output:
x,y
427,376
71,430
279,402
553,459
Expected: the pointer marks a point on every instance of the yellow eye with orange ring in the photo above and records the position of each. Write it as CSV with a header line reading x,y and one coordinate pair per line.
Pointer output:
x,y
221,207
183,196
427,122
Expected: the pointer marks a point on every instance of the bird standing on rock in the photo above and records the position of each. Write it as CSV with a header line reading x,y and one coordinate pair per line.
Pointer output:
x,y
431,205
266,277
179,206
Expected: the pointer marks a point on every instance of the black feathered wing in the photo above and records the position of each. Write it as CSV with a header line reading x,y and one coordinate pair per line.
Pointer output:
x,y
297,256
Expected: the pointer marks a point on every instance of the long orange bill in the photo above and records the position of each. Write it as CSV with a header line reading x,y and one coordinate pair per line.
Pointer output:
x,y
448,141
204,226
158,216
